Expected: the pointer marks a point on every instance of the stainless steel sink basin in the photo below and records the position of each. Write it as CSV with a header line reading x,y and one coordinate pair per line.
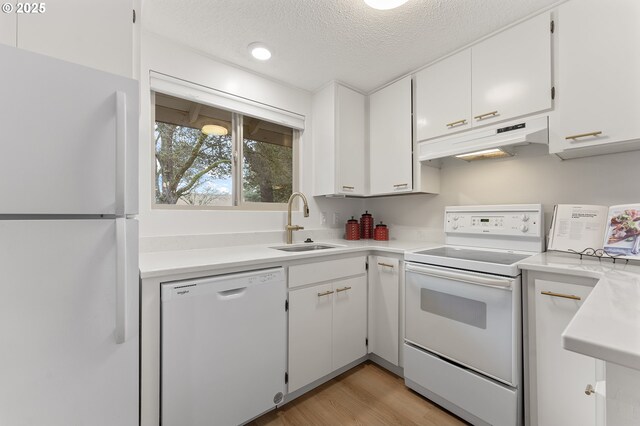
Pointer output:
x,y
305,247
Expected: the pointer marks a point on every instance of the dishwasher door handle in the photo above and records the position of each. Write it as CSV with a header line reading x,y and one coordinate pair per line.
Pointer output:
x,y
232,294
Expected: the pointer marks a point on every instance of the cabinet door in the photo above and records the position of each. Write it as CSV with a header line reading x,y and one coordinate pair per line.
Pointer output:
x,y
443,97
561,375
310,311
390,142
349,320
8,28
598,66
350,122
511,72
92,33
384,303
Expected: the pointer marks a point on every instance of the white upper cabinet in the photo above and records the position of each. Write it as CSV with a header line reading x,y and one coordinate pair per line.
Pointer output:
x,y
8,28
339,141
598,67
390,141
98,34
443,97
511,72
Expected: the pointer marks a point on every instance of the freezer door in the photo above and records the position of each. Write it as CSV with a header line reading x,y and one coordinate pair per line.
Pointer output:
x,y
69,137
60,363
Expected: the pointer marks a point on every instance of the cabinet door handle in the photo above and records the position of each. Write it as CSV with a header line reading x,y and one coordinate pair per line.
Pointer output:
x,y
342,289
589,390
325,293
388,265
346,187
400,185
485,115
457,123
584,135
565,296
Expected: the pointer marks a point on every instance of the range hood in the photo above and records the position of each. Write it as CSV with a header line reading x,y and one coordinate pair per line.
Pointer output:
x,y
505,135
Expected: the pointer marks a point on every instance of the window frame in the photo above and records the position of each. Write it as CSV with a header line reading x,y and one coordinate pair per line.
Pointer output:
x,y
238,203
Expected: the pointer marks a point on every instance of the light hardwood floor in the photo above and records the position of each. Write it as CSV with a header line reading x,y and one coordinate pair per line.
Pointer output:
x,y
365,395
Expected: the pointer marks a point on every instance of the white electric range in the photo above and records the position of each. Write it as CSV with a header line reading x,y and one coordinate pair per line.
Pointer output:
x,y
463,333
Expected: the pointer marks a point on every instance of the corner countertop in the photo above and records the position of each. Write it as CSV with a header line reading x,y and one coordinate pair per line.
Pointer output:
x,y
163,263
607,325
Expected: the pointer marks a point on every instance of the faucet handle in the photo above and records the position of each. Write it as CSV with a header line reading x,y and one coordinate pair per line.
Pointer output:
x,y
294,227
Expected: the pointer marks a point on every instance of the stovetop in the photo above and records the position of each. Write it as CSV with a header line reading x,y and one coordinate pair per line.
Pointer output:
x,y
491,261
477,255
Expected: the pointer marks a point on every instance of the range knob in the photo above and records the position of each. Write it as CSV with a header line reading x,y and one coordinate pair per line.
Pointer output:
x,y
524,217
454,226
524,228
455,217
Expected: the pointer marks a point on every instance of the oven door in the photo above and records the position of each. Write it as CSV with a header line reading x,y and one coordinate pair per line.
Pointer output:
x,y
467,317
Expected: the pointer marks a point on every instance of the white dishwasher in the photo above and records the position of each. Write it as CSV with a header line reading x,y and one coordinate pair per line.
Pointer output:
x,y
223,348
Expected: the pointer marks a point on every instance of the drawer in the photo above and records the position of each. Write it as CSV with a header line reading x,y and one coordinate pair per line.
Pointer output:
x,y
310,273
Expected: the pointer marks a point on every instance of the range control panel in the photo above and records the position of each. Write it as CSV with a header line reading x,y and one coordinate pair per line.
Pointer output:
x,y
526,222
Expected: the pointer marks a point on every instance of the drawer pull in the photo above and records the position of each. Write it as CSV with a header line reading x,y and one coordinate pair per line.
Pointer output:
x,y
388,265
565,296
350,188
584,135
589,390
342,289
325,293
400,185
486,115
457,123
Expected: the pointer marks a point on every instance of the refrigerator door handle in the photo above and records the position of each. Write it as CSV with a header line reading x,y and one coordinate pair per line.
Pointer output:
x,y
121,281
121,151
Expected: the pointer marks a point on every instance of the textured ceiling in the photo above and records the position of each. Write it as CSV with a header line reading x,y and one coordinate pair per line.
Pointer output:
x,y
315,41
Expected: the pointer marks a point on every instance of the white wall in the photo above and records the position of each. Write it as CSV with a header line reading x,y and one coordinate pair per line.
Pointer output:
x,y
532,177
166,57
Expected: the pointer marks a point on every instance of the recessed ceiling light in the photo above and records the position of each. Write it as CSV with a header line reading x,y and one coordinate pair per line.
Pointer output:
x,y
259,51
385,4
214,129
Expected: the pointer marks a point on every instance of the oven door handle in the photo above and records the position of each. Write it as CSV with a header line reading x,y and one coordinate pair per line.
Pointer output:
x,y
499,283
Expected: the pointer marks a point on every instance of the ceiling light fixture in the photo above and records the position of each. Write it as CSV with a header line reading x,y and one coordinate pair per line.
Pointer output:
x,y
484,154
214,129
259,51
385,4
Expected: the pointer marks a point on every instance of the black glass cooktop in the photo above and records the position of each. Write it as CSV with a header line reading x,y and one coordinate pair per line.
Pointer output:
x,y
498,257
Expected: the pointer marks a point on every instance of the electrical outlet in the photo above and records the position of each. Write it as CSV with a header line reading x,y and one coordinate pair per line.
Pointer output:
x,y
336,218
323,218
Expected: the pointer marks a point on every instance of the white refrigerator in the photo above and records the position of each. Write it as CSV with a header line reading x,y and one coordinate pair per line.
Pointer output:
x,y
69,279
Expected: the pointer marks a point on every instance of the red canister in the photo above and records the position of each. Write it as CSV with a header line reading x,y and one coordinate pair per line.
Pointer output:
x,y
381,233
352,229
366,226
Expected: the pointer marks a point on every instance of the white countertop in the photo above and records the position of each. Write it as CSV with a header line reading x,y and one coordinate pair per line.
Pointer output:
x,y
162,263
607,325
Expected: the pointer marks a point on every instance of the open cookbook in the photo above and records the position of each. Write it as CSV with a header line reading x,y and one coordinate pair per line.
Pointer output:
x,y
615,229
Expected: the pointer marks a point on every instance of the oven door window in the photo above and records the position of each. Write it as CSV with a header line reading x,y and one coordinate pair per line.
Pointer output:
x,y
456,308
464,319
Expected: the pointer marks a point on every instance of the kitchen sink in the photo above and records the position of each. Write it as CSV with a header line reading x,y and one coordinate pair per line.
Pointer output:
x,y
305,247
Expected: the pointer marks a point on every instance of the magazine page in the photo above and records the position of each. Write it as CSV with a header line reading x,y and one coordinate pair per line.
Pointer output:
x,y
622,235
577,227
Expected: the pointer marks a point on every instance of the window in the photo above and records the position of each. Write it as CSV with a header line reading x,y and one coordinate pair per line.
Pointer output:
x,y
209,157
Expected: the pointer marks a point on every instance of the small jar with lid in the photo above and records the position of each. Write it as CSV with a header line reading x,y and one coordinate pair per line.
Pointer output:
x,y
381,233
352,229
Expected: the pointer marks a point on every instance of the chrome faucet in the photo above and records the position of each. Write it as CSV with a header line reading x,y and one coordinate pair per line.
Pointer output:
x,y
290,228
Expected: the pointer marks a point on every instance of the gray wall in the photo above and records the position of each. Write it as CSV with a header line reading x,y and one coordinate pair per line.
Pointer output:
x,y
530,177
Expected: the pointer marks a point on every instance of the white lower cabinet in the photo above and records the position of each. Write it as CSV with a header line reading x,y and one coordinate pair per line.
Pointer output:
x,y
327,322
384,308
558,377
349,321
